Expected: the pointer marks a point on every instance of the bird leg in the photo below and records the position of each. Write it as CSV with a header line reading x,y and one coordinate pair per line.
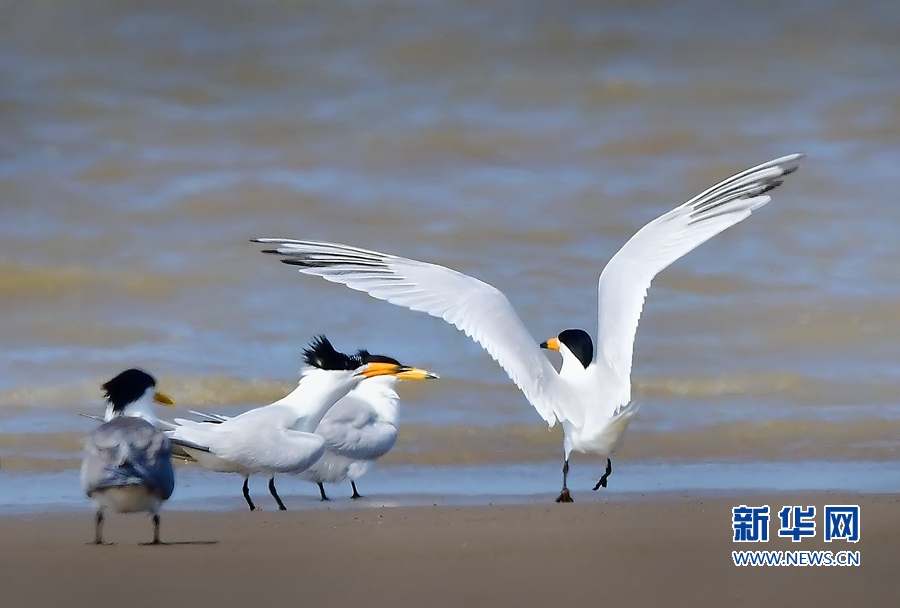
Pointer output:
x,y
356,493
602,482
98,528
564,495
322,491
247,494
155,529
274,494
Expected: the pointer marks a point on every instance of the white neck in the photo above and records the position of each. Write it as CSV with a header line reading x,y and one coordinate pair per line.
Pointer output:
x,y
142,408
595,381
381,395
571,366
317,391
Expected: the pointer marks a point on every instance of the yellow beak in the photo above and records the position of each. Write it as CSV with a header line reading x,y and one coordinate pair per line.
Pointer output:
x,y
551,344
163,399
391,369
416,373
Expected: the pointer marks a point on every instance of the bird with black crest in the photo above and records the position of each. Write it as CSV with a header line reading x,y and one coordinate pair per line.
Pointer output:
x,y
280,437
360,428
591,393
127,466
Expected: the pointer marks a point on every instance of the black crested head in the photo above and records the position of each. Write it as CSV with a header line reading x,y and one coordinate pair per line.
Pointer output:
x,y
579,342
127,387
321,354
367,357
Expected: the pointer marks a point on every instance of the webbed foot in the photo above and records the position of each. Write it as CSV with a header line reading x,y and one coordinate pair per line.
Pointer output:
x,y
602,482
322,491
564,496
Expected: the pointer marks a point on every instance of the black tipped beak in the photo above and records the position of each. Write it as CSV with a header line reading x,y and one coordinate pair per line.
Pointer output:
x,y
551,344
415,373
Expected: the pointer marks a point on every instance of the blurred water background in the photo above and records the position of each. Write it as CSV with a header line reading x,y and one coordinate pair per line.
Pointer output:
x,y
143,143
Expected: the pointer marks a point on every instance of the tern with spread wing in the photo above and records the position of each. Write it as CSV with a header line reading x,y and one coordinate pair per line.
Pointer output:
x,y
590,395
280,437
126,465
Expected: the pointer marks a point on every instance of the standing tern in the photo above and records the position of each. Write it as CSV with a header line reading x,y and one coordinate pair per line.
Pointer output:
x,y
126,465
280,437
360,428
590,396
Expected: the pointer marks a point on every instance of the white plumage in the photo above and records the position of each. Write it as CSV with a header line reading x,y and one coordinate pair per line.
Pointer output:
x,y
355,432
590,396
281,437
126,466
358,430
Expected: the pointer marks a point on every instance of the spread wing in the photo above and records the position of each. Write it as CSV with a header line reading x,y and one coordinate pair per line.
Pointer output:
x,y
479,310
626,279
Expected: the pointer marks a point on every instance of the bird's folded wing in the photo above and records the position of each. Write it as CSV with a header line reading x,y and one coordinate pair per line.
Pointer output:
x,y
479,310
366,441
214,418
126,451
625,280
103,478
157,473
252,442
187,444
162,424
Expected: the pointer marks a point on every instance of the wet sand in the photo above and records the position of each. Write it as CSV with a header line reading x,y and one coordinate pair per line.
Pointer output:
x,y
672,551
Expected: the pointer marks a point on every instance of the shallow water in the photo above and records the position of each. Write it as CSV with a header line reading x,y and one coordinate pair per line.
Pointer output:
x,y
418,485
143,144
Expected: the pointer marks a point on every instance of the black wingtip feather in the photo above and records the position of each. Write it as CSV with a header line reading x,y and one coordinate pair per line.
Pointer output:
x,y
771,186
791,168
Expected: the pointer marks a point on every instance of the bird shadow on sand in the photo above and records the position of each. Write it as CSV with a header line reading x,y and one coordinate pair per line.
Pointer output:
x,y
175,543
179,543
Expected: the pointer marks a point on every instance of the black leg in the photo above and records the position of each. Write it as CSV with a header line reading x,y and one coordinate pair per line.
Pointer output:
x,y
98,528
356,493
322,491
564,495
155,529
247,494
274,494
602,482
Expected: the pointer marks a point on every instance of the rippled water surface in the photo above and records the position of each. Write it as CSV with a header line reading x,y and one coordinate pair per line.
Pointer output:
x,y
143,143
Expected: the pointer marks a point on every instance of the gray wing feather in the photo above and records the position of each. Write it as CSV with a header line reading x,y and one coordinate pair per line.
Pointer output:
x,y
209,417
128,451
352,429
177,441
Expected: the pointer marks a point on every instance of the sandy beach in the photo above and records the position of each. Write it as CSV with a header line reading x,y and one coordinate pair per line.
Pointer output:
x,y
144,144
673,551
